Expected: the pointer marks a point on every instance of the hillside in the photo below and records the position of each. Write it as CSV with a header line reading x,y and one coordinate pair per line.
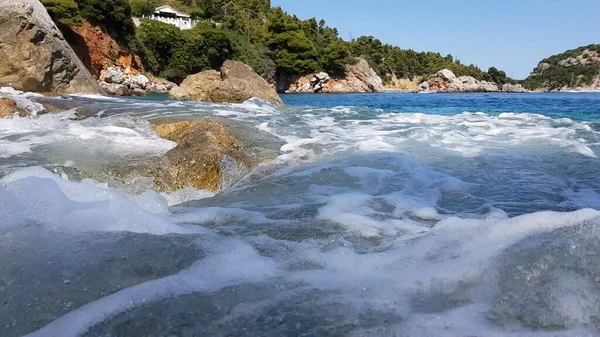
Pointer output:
x,y
270,40
577,68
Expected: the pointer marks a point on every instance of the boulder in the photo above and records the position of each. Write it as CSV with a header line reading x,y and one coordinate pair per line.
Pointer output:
x,y
445,81
359,77
207,156
236,82
138,82
34,55
196,87
112,75
115,89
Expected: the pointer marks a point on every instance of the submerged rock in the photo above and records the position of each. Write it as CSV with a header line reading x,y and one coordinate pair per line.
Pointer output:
x,y
236,82
359,77
34,55
207,156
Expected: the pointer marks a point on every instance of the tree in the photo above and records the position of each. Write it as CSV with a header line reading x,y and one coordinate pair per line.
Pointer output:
x,y
63,12
497,76
114,15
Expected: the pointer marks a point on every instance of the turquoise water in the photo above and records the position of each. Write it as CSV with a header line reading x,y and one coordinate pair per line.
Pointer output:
x,y
371,215
577,106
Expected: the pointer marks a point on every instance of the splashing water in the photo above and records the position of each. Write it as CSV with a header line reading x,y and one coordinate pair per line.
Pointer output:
x,y
368,222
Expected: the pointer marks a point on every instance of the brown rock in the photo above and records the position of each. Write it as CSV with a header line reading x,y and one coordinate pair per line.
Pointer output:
x,y
8,107
34,55
196,87
207,156
235,82
98,50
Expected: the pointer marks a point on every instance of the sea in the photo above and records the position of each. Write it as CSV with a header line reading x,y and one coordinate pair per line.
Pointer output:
x,y
392,214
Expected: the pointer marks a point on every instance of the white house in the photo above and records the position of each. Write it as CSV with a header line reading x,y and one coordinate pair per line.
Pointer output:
x,y
170,15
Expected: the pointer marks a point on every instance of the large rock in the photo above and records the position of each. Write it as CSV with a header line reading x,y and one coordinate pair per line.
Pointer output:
x,y
359,78
207,156
196,87
235,82
445,81
34,55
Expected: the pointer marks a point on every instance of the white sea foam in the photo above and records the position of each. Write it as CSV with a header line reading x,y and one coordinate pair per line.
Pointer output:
x,y
35,196
434,221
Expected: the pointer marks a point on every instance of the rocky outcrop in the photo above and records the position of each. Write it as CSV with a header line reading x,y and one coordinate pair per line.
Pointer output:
x,y
359,78
517,88
445,81
207,156
34,56
124,82
99,51
235,82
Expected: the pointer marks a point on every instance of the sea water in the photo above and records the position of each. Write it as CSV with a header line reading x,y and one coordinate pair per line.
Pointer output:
x,y
372,215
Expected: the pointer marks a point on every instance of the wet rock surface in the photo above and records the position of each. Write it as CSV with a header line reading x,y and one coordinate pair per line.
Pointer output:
x,y
207,156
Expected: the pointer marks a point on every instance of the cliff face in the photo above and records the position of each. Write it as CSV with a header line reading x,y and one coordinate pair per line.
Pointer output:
x,y
576,68
99,51
34,55
359,78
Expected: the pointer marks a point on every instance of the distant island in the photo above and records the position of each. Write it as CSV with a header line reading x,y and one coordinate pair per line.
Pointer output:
x,y
134,47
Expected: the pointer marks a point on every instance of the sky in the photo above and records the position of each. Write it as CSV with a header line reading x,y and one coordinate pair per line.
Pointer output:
x,y
512,35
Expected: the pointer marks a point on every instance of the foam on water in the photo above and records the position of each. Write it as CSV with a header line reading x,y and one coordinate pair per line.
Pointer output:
x,y
366,223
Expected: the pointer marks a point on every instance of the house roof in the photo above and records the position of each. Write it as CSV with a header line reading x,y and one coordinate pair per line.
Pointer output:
x,y
170,10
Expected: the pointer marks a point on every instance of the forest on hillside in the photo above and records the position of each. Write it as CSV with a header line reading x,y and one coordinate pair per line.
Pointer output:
x,y
572,68
270,40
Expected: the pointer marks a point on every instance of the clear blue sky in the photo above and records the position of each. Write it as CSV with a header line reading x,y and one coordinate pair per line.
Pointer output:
x,y
512,35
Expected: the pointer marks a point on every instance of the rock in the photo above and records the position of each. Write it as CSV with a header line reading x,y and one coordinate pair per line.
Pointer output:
x,y
322,77
119,82
196,87
207,156
236,82
115,89
241,83
138,82
34,56
157,88
112,75
445,81
507,87
359,77
8,107
25,105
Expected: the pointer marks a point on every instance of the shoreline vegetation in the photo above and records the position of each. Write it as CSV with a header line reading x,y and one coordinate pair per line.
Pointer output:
x,y
291,54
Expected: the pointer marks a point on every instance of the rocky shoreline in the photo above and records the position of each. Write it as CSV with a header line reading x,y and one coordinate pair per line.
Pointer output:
x,y
444,81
